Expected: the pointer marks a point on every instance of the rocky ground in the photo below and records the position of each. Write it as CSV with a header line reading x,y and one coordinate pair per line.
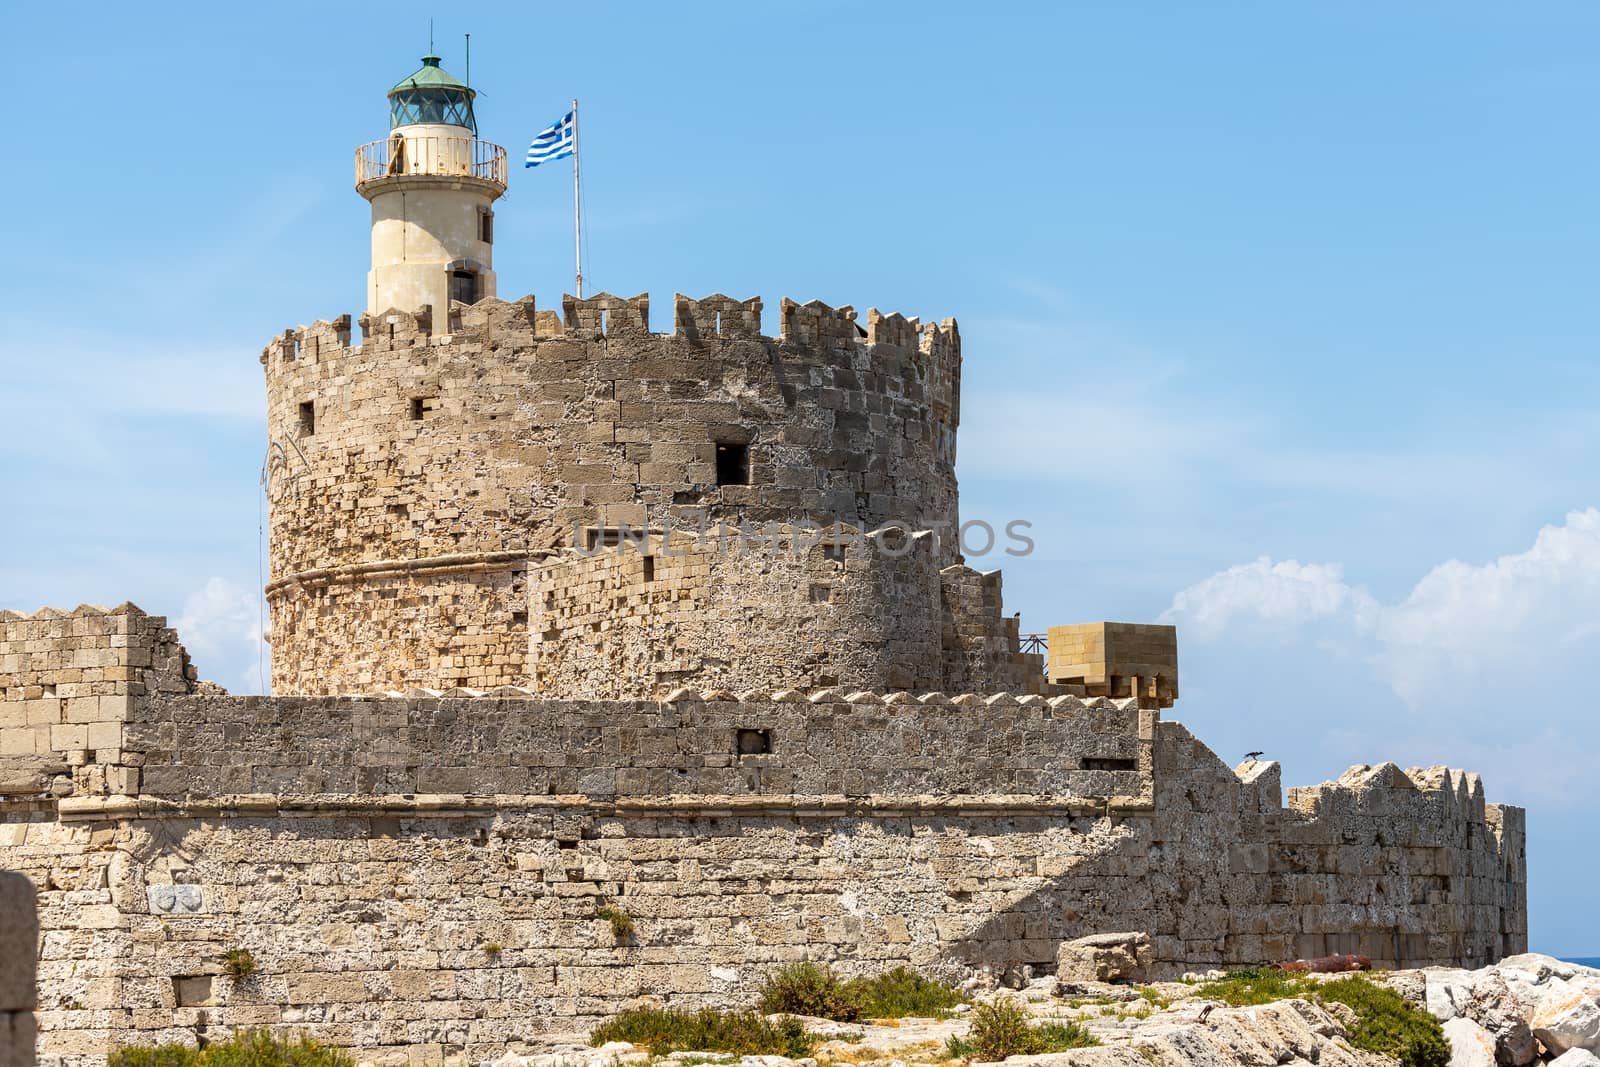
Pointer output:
x,y
1527,1009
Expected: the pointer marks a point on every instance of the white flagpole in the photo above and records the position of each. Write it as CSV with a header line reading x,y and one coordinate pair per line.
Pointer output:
x,y
577,203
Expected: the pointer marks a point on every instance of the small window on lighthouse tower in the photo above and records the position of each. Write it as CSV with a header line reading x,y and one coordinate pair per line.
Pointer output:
x,y
464,286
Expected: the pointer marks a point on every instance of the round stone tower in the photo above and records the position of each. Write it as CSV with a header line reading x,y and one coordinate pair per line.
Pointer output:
x,y
438,491
432,185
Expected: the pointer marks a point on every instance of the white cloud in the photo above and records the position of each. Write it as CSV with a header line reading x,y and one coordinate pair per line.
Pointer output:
x,y
221,626
1516,623
1283,594
1480,665
1521,627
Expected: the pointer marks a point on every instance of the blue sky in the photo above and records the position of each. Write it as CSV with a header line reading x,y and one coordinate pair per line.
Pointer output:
x,y
1278,319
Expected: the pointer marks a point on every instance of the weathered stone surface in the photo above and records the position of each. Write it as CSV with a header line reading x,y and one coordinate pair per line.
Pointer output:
x,y
1291,1031
1499,1000
1470,1044
1124,957
1568,1015
417,479
19,936
1576,1057
1113,1056
366,849
1449,990
1540,967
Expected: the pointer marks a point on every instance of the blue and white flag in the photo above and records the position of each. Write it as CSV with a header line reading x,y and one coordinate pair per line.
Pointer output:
x,y
555,142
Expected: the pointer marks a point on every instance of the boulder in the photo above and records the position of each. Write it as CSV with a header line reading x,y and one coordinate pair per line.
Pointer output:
x,y
1497,1001
1099,1056
1544,967
1448,992
1017,976
1290,1033
1411,985
1568,1016
1105,958
1470,1044
1576,1057
1515,1045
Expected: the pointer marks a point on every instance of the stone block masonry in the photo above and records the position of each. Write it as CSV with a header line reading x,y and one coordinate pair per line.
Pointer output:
x,y
423,871
19,941
803,610
68,683
416,477
1116,659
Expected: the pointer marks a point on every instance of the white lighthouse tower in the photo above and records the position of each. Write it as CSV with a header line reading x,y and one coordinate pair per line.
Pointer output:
x,y
432,185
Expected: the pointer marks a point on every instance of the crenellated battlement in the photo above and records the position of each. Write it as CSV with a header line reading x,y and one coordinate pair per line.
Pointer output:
x,y
82,610
817,323
715,317
1385,787
893,329
604,315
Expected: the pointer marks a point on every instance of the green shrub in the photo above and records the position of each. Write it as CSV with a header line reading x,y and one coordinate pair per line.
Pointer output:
x,y
903,992
1387,1024
813,989
1001,1028
746,1033
238,964
1154,996
621,922
958,1048
1060,1035
809,989
246,1048
168,1055
1255,985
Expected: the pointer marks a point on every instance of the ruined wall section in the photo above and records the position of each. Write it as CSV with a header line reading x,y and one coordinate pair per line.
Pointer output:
x,y
431,453
19,948
774,607
68,685
982,647
1408,868
459,620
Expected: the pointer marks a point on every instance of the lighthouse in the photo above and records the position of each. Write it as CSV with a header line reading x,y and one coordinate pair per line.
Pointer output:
x,y
432,185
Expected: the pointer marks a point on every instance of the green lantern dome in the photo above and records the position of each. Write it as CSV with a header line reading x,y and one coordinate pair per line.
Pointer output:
x,y
432,95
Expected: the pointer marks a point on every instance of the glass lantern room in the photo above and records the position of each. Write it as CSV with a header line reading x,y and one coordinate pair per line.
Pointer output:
x,y
432,95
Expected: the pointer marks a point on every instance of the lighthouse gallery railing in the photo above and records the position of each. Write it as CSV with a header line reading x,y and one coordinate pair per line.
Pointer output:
x,y
445,157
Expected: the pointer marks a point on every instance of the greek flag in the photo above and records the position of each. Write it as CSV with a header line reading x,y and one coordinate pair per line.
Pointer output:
x,y
554,142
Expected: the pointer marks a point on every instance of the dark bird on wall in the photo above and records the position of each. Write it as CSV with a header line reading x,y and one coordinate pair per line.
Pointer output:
x,y
1252,756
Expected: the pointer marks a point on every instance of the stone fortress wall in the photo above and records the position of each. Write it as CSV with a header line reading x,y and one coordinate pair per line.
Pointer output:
x,y
790,608
423,871
68,685
416,477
